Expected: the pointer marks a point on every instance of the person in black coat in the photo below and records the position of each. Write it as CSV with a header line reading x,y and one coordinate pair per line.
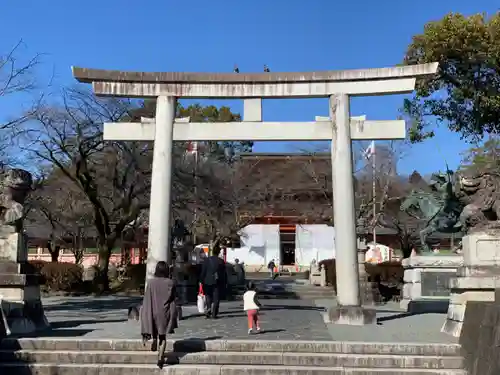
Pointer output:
x,y
239,269
213,280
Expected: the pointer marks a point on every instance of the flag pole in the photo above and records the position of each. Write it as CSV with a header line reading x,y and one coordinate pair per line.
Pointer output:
x,y
195,191
374,192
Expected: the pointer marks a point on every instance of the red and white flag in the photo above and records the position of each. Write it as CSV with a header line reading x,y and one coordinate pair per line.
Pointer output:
x,y
370,151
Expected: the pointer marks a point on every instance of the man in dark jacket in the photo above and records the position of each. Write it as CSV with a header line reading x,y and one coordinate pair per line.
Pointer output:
x,y
239,269
213,279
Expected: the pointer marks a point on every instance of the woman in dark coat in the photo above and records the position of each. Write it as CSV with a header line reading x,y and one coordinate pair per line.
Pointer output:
x,y
159,310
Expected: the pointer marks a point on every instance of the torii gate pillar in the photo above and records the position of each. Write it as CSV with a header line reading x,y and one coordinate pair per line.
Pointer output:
x,y
161,185
349,309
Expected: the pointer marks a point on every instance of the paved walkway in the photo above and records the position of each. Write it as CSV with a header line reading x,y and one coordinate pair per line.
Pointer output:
x,y
394,325
106,318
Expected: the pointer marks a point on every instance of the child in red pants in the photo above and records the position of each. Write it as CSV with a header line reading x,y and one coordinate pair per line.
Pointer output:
x,y
252,306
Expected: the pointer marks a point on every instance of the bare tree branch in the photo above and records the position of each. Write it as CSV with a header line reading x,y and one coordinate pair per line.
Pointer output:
x,y
108,181
17,76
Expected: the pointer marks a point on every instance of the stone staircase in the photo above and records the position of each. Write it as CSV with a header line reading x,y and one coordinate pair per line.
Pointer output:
x,y
296,291
310,292
232,357
289,289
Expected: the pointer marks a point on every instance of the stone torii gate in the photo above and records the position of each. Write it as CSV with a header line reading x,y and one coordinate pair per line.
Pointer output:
x,y
339,128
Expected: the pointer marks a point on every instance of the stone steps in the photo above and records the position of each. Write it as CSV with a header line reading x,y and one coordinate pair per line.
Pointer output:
x,y
292,292
36,356
283,275
133,369
197,345
235,358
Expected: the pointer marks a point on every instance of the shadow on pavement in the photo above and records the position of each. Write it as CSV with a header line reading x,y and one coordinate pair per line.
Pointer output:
x,y
292,307
8,356
239,313
418,308
96,304
56,333
186,346
76,323
264,331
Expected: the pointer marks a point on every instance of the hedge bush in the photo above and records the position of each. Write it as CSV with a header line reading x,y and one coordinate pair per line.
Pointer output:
x,y
61,276
135,275
37,265
387,272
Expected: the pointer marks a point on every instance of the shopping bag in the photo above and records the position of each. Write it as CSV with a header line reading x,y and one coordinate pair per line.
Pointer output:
x,y
201,304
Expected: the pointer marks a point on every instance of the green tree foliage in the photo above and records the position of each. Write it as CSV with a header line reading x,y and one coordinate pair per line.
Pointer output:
x,y
485,156
466,92
199,113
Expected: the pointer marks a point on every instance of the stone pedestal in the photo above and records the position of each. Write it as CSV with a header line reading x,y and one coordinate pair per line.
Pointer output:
x,y
317,275
479,337
361,314
476,280
366,289
351,315
427,282
20,304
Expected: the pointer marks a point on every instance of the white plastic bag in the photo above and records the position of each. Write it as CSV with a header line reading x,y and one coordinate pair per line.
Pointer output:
x,y
201,304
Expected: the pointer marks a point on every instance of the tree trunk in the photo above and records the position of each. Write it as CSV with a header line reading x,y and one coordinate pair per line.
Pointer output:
x,y
54,254
54,251
78,250
101,280
78,254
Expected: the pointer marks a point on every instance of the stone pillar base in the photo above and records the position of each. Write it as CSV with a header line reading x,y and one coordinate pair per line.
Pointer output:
x,y
366,287
464,289
21,318
366,291
452,327
21,308
476,280
351,315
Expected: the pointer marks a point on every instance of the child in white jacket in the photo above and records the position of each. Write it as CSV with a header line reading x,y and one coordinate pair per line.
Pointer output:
x,y
252,306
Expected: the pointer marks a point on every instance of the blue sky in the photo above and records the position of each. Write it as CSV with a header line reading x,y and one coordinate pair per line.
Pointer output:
x,y
195,35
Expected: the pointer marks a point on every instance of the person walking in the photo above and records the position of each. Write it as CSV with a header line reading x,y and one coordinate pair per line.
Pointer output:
x,y
213,280
239,269
271,266
252,306
159,310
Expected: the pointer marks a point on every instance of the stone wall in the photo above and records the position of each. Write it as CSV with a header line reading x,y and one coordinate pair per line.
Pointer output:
x,y
480,337
427,279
